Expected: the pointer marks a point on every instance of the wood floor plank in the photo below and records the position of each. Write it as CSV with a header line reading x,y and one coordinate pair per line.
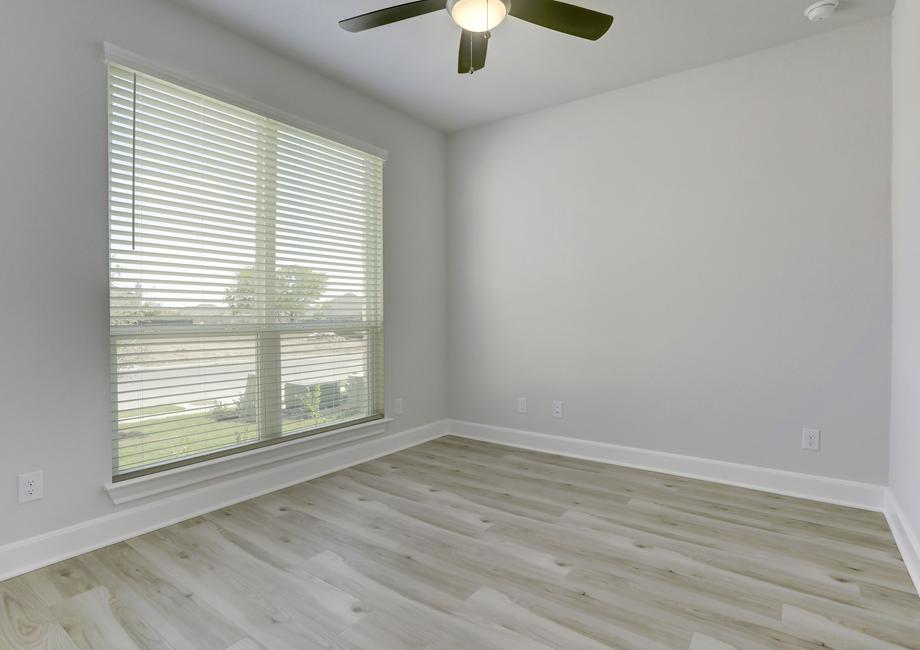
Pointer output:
x,y
242,591
96,619
172,607
441,628
246,644
494,607
705,642
61,581
26,623
831,633
460,544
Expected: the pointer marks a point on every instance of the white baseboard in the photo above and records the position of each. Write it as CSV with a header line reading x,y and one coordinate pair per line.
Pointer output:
x,y
905,535
35,552
819,488
32,553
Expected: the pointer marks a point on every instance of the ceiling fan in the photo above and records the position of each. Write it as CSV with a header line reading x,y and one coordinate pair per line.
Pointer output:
x,y
478,17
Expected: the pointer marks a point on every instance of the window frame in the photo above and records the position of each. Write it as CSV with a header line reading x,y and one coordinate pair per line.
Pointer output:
x,y
374,423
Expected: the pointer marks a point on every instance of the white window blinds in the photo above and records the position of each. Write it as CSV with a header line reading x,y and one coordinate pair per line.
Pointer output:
x,y
245,278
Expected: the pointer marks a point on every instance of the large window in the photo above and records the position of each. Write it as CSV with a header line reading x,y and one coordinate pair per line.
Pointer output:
x,y
245,278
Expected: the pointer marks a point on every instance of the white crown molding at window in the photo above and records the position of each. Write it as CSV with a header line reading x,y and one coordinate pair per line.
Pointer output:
x,y
282,452
114,54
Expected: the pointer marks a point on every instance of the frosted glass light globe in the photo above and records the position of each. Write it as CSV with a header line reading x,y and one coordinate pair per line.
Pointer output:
x,y
477,15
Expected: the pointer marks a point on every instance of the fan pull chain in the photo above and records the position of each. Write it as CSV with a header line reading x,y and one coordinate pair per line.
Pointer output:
x,y
485,36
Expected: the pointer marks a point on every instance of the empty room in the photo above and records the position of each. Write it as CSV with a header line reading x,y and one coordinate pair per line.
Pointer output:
x,y
460,324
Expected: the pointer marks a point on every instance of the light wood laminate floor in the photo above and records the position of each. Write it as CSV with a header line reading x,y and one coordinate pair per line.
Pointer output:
x,y
461,544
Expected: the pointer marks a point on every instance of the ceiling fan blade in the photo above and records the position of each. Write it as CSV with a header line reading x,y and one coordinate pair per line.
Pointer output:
x,y
472,51
391,15
563,17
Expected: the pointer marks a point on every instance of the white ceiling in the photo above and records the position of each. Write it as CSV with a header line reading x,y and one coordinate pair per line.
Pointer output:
x,y
412,65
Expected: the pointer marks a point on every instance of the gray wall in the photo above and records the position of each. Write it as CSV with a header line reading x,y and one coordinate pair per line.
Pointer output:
x,y
699,264
54,348
905,386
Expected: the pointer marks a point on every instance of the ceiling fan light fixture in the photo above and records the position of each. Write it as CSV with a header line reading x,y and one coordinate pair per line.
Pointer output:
x,y
478,15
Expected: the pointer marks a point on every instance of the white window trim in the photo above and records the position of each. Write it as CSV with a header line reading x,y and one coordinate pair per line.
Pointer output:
x,y
114,54
255,459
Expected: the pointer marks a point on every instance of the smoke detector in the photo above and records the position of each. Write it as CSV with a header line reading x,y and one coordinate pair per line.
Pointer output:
x,y
821,10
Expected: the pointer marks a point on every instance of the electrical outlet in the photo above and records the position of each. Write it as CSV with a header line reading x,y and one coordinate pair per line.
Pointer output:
x,y
398,406
811,439
31,486
522,405
557,409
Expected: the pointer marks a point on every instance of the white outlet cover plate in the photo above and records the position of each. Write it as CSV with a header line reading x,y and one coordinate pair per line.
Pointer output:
x,y
521,404
811,439
31,486
557,409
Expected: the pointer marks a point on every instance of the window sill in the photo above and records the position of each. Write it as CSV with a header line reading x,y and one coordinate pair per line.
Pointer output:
x,y
255,459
